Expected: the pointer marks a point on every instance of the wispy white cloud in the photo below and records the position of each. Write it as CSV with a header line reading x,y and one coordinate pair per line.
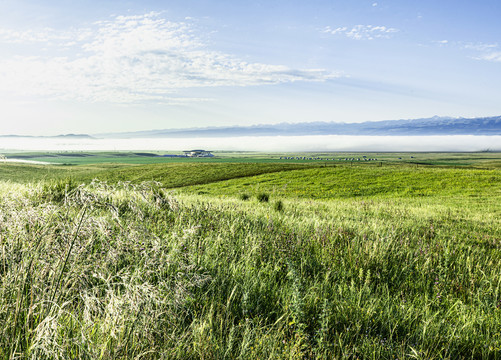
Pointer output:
x,y
131,59
362,32
483,51
490,56
477,51
479,46
10,36
442,42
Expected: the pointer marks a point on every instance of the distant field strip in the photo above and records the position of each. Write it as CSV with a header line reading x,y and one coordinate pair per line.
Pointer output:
x,y
25,161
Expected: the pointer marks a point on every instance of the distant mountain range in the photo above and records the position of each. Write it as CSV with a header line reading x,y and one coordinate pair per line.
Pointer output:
x,y
69,136
428,126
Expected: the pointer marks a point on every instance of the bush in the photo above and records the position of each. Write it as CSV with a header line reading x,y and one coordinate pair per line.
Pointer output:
x,y
278,206
263,197
244,196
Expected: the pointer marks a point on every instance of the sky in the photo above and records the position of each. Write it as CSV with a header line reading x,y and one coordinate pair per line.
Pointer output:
x,y
88,66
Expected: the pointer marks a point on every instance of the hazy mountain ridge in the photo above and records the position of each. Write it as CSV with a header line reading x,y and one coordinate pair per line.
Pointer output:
x,y
69,136
415,127
428,126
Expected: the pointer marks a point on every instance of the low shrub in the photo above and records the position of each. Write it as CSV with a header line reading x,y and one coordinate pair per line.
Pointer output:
x,y
263,197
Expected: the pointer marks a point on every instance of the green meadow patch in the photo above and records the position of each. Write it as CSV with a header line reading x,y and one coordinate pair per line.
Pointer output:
x,y
363,181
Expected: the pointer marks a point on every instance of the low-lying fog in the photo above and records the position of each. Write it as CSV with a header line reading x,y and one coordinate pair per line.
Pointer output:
x,y
263,143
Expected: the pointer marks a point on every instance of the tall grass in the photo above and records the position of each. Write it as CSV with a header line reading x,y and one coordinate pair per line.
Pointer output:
x,y
129,271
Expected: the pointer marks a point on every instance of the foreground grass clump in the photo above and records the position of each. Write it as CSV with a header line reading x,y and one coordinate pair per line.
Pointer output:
x,y
278,205
128,271
244,197
263,197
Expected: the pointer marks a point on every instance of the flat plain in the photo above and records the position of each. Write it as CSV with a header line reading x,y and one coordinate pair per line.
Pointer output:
x,y
252,256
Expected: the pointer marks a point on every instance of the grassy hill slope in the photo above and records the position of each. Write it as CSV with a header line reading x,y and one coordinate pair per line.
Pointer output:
x,y
169,174
362,181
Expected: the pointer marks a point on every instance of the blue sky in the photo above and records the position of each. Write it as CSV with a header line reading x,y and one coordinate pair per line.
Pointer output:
x,y
100,66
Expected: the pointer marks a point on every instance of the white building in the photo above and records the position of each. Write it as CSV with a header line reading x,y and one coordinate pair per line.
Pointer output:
x,y
197,153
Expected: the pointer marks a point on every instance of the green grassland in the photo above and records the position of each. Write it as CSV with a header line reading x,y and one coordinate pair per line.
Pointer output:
x,y
362,181
242,259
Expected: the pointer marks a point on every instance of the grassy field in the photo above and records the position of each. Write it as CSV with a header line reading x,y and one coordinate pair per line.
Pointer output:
x,y
252,260
362,181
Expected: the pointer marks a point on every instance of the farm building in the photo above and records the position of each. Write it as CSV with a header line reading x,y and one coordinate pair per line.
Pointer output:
x,y
197,153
